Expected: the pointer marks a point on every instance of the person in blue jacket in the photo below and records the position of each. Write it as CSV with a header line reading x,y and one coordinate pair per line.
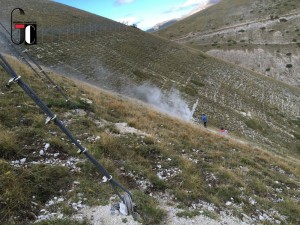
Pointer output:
x,y
204,119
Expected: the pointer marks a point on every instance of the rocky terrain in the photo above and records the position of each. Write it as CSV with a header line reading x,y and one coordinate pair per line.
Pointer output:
x,y
120,58
262,36
177,171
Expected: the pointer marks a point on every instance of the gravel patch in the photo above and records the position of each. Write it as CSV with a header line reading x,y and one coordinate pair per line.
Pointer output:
x,y
103,215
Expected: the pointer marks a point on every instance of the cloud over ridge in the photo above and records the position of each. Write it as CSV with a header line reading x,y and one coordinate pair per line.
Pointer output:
x,y
122,2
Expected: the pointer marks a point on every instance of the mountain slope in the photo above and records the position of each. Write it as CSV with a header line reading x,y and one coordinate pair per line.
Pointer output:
x,y
120,58
260,35
167,163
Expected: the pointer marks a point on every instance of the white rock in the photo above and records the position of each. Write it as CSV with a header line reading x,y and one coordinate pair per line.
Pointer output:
x,y
51,202
60,199
159,176
56,155
42,152
22,161
252,201
78,217
209,208
246,218
88,101
123,209
104,179
261,217
43,217
169,159
158,166
47,145
34,203
228,203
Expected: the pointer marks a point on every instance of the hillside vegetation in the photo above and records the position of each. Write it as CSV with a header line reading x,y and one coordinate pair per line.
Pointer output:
x,y
260,35
168,157
121,58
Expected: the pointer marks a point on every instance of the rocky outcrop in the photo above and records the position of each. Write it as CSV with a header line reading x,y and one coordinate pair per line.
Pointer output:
x,y
268,46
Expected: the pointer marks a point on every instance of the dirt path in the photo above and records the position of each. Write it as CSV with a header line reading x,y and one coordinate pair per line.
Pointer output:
x,y
290,15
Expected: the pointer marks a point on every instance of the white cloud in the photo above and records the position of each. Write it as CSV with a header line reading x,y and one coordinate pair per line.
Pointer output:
x,y
193,2
130,20
121,2
178,12
189,3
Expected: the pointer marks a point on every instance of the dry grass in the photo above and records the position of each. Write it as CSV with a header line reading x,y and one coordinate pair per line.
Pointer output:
x,y
224,168
120,59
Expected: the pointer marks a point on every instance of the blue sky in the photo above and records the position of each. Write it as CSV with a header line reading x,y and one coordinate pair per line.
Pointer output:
x,y
144,13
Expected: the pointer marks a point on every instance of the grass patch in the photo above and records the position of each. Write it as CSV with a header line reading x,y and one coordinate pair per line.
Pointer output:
x,y
211,168
188,213
17,186
211,215
254,124
9,146
147,208
198,83
290,207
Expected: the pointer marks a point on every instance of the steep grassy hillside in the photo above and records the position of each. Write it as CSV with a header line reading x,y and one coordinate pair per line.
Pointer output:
x,y
230,13
260,35
200,172
121,58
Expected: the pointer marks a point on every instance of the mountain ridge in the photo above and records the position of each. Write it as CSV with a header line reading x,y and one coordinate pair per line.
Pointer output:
x,y
241,37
